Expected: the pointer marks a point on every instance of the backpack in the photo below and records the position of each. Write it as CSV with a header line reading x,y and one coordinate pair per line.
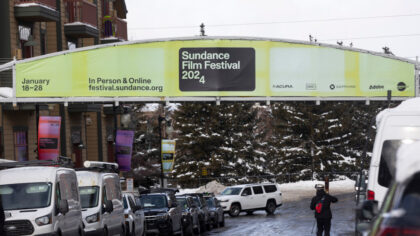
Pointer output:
x,y
318,206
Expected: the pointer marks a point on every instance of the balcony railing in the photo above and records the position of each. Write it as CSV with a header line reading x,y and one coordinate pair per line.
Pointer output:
x,y
114,27
82,11
48,3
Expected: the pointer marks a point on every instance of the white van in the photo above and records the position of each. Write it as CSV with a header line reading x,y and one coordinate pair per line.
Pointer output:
x,y
41,200
101,199
395,127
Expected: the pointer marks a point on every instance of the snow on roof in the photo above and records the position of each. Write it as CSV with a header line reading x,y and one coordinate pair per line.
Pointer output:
x,y
81,23
408,161
33,4
6,92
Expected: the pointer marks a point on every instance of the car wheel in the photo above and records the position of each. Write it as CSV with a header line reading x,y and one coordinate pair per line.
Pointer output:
x,y
123,231
81,232
270,207
197,230
105,231
216,222
235,209
133,232
202,226
222,224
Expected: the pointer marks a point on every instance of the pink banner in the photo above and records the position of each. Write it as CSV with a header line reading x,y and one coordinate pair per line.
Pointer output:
x,y
124,145
49,137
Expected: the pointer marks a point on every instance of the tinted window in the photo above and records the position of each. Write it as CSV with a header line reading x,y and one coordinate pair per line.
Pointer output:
x,y
153,201
270,188
247,191
231,191
387,162
257,189
411,197
210,202
182,202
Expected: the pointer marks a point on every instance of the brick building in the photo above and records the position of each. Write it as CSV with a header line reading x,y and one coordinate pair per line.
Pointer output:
x,y
36,27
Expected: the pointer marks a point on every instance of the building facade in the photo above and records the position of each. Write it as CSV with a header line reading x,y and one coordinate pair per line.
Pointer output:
x,y
37,27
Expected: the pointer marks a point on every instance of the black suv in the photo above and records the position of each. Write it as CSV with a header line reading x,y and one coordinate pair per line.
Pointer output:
x,y
190,215
216,211
161,211
204,214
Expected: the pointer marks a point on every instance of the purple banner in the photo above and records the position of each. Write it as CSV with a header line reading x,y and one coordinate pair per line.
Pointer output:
x,y
124,147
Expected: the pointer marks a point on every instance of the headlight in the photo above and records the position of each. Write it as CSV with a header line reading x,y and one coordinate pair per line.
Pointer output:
x,y
44,220
93,218
162,217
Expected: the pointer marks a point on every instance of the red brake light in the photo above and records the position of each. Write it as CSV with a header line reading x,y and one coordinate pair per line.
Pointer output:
x,y
398,232
370,195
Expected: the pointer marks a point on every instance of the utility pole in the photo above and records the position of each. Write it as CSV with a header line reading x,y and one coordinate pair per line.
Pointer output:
x,y
160,119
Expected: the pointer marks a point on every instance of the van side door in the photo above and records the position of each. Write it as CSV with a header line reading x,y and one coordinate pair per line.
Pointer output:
x,y
69,191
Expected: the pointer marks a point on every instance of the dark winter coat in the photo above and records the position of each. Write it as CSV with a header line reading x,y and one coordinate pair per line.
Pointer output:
x,y
326,210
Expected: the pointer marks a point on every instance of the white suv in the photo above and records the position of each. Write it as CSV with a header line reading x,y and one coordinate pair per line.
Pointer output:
x,y
250,197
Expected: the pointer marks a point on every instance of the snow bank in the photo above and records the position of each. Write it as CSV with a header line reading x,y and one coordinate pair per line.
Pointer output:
x,y
211,187
290,191
305,189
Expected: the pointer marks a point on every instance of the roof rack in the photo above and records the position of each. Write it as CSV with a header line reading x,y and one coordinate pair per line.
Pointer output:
x,y
61,161
99,166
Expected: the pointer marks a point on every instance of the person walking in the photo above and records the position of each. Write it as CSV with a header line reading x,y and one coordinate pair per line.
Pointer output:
x,y
321,204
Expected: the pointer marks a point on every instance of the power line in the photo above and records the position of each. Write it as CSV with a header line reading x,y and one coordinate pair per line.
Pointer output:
x,y
277,22
374,37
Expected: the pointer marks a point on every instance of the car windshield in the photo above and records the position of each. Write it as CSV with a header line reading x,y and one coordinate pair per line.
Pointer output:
x,y
25,196
231,191
197,201
182,202
89,196
210,202
153,201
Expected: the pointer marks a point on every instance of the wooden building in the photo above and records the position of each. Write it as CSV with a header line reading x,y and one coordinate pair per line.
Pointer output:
x,y
37,27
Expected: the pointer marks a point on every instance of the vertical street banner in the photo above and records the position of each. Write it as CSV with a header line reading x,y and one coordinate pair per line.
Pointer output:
x,y
168,155
49,137
124,147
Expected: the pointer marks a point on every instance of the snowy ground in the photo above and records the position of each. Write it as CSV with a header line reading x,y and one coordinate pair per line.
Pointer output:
x,y
294,218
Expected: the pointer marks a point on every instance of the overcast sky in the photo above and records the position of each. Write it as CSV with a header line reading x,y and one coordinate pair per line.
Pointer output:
x,y
369,24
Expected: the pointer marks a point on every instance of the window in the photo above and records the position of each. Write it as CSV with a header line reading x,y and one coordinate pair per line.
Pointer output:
x,y
257,190
21,144
411,197
270,188
247,191
387,162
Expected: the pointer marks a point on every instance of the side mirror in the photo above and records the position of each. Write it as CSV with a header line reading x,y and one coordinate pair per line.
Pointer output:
x,y
368,210
108,206
136,208
63,206
174,204
244,194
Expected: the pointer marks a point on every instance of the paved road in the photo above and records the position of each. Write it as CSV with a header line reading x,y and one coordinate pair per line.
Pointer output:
x,y
293,218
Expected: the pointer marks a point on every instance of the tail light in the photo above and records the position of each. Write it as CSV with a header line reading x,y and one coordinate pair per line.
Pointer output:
x,y
370,195
389,231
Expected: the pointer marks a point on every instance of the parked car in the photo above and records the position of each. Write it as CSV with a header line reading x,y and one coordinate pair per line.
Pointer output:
x,y
395,127
101,198
190,215
41,198
204,213
250,197
217,215
399,214
133,214
161,211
